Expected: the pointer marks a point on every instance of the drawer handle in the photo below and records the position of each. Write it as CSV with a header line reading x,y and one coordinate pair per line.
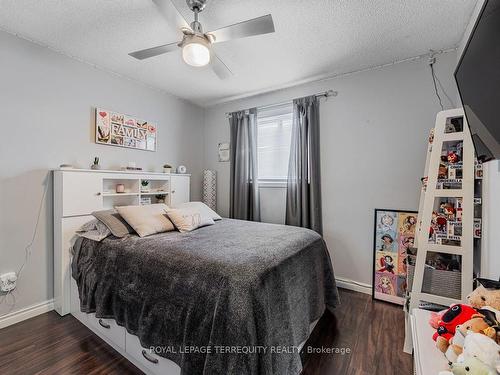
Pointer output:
x,y
149,357
104,325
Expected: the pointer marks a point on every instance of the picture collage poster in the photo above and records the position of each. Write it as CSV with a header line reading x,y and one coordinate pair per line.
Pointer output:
x,y
394,236
116,129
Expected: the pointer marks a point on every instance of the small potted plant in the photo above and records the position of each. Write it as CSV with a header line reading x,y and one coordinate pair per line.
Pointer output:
x,y
167,168
160,198
95,165
145,186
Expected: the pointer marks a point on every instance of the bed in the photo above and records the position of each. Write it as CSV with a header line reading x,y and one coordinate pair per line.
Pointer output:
x,y
235,297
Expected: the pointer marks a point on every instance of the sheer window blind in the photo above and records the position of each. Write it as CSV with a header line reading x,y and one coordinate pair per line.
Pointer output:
x,y
274,129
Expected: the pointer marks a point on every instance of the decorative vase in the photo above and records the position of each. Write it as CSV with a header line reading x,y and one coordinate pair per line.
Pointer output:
x,y
95,167
120,188
167,170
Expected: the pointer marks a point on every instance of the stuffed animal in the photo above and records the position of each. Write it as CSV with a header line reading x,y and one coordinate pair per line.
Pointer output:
x,y
436,318
481,356
454,316
477,324
492,317
481,347
472,366
455,347
486,294
490,313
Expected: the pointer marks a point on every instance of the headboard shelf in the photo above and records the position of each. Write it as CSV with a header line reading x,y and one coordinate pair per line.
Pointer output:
x,y
79,192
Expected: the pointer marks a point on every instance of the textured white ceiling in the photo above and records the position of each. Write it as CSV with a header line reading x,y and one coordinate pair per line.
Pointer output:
x,y
313,38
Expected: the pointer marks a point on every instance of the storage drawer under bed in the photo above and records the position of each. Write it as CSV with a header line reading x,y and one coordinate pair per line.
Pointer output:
x,y
108,328
154,363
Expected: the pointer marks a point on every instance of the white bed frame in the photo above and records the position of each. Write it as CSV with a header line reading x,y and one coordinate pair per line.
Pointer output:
x,y
77,193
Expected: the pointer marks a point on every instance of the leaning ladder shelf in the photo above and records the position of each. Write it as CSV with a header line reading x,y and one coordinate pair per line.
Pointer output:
x,y
461,189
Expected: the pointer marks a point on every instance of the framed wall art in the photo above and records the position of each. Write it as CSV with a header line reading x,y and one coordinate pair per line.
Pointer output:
x,y
117,129
394,235
223,151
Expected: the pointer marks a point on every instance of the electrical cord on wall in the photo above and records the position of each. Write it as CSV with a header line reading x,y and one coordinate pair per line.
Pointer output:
x,y
444,91
27,252
432,61
436,81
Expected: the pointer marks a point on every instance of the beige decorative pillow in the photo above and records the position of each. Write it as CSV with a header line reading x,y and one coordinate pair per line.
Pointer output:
x,y
202,207
188,219
147,220
114,222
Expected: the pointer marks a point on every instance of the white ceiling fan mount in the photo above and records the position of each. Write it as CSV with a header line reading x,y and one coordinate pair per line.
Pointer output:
x,y
197,45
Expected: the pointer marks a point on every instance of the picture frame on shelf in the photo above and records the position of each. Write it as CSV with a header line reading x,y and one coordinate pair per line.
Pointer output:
x,y
394,235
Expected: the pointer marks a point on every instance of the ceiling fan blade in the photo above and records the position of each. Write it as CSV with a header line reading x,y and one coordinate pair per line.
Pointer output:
x,y
155,51
171,14
218,66
255,26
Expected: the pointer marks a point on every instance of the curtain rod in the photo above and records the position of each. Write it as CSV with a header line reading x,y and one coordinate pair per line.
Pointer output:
x,y
324,94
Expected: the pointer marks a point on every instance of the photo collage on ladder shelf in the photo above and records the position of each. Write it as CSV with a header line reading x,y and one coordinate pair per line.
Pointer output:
x,y
394,236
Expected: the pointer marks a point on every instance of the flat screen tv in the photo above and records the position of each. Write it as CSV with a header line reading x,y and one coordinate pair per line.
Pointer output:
x,y
478,81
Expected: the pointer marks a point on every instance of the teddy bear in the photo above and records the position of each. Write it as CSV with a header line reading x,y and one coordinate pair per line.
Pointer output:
x,y
486,294
457,314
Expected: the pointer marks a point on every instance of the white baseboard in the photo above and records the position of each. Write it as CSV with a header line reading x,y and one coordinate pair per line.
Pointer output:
x,y
354,285
26,313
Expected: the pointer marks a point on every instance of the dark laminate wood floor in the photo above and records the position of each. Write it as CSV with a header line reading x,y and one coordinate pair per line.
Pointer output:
x,y
373,331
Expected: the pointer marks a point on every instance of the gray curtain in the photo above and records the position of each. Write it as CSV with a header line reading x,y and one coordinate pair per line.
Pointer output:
x,y
244,191
303,193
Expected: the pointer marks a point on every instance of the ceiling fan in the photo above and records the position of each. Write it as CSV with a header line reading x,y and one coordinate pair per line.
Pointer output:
x,y
197,45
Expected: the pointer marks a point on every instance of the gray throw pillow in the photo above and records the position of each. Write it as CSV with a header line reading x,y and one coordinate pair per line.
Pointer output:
x,y
115,223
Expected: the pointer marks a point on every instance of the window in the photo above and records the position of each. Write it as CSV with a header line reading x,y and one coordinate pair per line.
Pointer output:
x,y
274,132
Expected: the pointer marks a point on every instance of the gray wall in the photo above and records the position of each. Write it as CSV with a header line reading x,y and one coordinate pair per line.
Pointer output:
x,y
46,102
373,142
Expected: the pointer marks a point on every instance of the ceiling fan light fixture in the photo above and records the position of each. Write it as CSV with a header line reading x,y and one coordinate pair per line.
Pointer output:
x,y
196,51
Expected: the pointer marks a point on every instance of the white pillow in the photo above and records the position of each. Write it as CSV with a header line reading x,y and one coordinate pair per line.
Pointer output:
x,y
202,207
148,219
188,219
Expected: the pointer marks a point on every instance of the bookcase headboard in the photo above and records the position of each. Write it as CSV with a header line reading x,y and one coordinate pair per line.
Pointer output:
x,y
78,193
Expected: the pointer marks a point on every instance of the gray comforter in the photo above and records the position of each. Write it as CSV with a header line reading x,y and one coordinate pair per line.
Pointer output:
x,y
236,297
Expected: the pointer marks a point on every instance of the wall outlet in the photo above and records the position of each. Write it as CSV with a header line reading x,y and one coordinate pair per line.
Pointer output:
x,y
8,281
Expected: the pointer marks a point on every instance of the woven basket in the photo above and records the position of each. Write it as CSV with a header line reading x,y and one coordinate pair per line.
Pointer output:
x,y
439,282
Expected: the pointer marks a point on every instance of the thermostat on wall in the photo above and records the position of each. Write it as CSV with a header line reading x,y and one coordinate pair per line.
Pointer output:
x,y
181,169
